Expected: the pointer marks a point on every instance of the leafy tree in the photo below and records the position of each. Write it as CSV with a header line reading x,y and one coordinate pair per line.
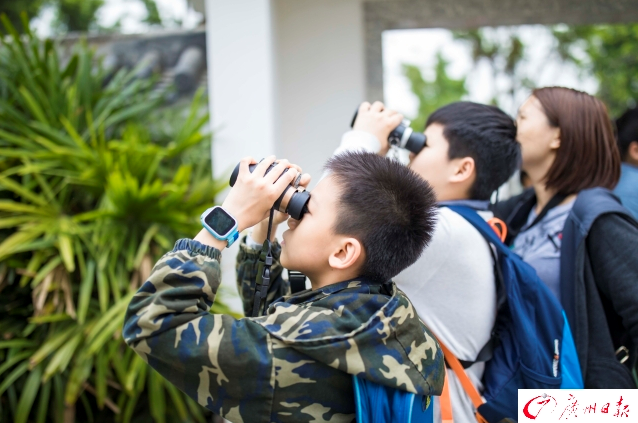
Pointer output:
x,y
71,15
77,15
609,53
505,56
435,93
153,17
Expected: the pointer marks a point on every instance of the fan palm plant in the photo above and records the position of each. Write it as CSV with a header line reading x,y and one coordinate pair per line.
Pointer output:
x,y
89,200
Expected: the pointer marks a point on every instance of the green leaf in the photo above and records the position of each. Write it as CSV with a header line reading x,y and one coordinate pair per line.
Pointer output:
x,y
12,206
62,357
17,343
101,367
23,192
86,289
178,401
116,310
103,289
58,401
65,246
29,392
114,326
79,374
43,403
137,366
10,362
50,318
52,344
13,376
145,244
48,268
156,396
13,242
33,105
10,222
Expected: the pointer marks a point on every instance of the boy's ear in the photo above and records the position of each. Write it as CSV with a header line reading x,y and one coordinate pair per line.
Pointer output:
x,y
346,255
464,169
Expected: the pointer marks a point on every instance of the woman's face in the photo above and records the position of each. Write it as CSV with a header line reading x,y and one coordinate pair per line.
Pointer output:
x,y
539,140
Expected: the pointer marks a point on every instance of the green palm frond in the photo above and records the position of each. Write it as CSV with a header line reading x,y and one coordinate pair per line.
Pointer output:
x,y
91,195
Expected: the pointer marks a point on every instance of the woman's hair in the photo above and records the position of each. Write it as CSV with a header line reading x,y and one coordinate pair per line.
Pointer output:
x,y
588,156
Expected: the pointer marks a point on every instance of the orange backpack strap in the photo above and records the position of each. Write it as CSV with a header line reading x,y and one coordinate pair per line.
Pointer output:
x,y
445,402
467,384
499,227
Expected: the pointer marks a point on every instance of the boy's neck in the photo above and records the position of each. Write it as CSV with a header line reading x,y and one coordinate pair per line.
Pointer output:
x,y
452,193
330,278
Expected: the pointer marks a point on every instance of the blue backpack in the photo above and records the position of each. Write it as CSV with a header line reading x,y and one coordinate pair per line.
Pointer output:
x,y
532,346
380,404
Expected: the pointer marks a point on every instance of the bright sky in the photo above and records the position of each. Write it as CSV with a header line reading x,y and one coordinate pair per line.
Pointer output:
x,y
419,47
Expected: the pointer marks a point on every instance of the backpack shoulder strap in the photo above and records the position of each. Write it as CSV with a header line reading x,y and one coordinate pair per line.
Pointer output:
x,y
458,370
494,233
466,383
482,226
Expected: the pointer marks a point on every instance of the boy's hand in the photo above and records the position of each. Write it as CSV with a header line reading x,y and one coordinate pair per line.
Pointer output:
x,y
378,121
253,195
261,229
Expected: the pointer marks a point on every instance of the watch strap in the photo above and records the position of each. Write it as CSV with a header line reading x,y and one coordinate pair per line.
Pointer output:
x,y
232,237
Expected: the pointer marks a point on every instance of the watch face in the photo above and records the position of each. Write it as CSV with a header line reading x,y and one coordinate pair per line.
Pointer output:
x,y
219,221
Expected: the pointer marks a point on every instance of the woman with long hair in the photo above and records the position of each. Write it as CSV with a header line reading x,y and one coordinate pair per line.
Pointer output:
x,y
574,232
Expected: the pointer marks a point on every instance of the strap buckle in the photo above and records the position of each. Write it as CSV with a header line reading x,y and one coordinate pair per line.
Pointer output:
x,y
622,350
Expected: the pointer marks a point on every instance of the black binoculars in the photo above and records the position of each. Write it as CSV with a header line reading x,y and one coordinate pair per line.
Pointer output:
x,y
402,136
293,201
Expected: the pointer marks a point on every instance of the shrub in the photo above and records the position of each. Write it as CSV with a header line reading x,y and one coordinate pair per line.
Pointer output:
x,y
89,200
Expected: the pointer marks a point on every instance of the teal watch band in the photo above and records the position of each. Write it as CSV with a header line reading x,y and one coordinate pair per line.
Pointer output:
x,y
220,224
232,237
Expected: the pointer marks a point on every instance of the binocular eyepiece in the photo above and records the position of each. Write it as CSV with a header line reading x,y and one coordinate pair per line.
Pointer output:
x,y
402,136
293,201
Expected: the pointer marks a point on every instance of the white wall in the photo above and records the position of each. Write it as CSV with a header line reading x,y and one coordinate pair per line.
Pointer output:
x,y
285,77
240,75
320,76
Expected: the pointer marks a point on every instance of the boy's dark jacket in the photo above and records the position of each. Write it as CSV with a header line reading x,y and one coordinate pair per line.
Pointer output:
x,y
293,365
599,281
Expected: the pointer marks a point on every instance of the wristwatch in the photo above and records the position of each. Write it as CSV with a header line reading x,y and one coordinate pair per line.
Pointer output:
x,y
220,224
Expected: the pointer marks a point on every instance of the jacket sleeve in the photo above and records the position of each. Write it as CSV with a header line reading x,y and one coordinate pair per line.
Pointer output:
x,y
247,267
221,362
358,141
612,244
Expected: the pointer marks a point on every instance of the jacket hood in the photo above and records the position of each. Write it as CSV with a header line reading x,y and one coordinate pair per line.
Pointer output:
x,y
363,329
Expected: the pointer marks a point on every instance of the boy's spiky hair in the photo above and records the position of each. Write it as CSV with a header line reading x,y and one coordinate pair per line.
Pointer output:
x,y
387,207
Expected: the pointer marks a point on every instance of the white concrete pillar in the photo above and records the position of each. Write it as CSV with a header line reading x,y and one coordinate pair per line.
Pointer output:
x,y
241,86
241,96
320,76
285,77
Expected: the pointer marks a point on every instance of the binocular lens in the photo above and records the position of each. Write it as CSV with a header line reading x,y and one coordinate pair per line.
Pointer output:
x,y
402,136
292,201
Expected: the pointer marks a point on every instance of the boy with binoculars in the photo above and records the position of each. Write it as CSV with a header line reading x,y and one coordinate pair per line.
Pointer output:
x,y
367,220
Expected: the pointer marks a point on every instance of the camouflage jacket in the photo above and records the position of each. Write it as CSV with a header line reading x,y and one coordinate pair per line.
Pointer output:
x,y
292,365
